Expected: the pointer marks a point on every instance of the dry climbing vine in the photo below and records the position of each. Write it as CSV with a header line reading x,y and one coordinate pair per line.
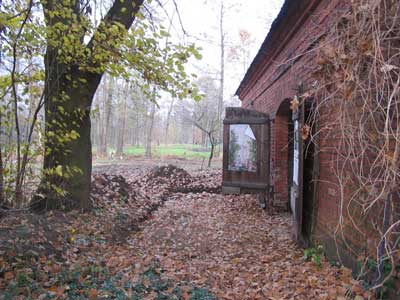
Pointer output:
x,y
357,88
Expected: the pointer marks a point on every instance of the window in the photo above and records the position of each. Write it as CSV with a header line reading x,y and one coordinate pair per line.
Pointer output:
x,y
242,148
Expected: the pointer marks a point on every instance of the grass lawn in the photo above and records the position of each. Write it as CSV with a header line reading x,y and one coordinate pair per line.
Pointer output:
x,y
179,150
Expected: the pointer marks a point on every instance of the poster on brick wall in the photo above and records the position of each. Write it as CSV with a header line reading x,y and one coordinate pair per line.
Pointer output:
x,y
242,148
296,156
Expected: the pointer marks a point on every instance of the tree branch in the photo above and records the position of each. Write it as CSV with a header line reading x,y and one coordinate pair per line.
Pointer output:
x,y
123,12
15,96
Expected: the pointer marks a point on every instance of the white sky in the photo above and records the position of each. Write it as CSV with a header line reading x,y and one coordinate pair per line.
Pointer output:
x,y
200,19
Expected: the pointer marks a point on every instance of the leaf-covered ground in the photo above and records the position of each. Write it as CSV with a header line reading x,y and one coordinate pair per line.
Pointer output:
x,y
161,234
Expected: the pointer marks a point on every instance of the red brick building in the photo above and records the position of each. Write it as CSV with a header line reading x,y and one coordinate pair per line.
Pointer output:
x,y
305,163
284,62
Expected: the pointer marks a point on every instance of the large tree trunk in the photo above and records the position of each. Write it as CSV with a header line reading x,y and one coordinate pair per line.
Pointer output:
x,y
67,111
68,97
2,198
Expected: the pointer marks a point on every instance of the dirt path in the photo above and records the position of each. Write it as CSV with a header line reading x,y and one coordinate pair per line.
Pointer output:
x,y
146,240
235,249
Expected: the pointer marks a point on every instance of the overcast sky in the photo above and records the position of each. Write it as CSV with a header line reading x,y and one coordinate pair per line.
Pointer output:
x,y
200,18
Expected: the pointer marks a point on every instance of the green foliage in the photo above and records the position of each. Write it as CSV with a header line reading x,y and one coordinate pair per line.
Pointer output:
x,y
202,294
367,271
314,254
81,282
186,151
56,44
154,281
143,52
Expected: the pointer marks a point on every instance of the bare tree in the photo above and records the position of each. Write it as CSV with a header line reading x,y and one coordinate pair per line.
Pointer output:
x,y
211,137
240,52
222,69
122,120
150,127
107,114
205,114
167,122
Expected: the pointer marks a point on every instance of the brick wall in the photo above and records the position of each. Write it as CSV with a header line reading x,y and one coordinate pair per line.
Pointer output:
x,y
290,61
281,154
277,80
285,60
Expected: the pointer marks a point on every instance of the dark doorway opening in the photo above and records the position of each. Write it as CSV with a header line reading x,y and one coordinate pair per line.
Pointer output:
x,y
290,156
310,171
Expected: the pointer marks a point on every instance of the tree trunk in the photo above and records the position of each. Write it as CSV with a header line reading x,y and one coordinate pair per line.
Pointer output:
x,y
2,198
73,156
68,97
107,115
171,106
121,131
150,130
222,74
212,149
18,176
211,139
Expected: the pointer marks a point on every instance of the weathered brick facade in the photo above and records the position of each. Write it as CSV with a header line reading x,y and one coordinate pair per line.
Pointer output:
x,y
286,59
332,209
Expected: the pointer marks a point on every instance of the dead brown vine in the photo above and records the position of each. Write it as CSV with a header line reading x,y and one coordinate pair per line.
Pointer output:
x,y
358,92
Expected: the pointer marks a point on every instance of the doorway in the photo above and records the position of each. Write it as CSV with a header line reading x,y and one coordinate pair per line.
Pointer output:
x,y
310,172
305,173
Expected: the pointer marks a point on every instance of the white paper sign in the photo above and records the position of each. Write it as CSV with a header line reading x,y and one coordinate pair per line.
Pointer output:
x,y
296,158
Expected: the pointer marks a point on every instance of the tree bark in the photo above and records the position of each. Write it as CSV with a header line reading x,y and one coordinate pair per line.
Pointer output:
x,y
68,98
171,106
211,139
121,131
222,73
150,131
108,108
74,153
2,198
212,149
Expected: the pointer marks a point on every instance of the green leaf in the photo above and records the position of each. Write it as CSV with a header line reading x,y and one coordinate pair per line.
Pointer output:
x,y
59,170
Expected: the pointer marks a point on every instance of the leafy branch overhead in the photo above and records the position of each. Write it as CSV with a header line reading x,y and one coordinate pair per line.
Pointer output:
x,y
58,51
114,47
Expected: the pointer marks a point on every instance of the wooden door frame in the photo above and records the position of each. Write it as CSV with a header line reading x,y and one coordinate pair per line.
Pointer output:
x,y
299,201
256,183
296,195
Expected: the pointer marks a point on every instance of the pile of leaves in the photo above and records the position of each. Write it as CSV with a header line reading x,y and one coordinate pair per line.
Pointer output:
x,y
195,246
237,251
116,184
171,179
122,202
64,255
166,177
205,181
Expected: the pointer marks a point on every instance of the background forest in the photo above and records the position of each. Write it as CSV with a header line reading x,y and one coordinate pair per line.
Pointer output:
x,y
107,79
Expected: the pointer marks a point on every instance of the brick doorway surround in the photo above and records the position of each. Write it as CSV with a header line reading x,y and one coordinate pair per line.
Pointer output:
x,y
282,154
